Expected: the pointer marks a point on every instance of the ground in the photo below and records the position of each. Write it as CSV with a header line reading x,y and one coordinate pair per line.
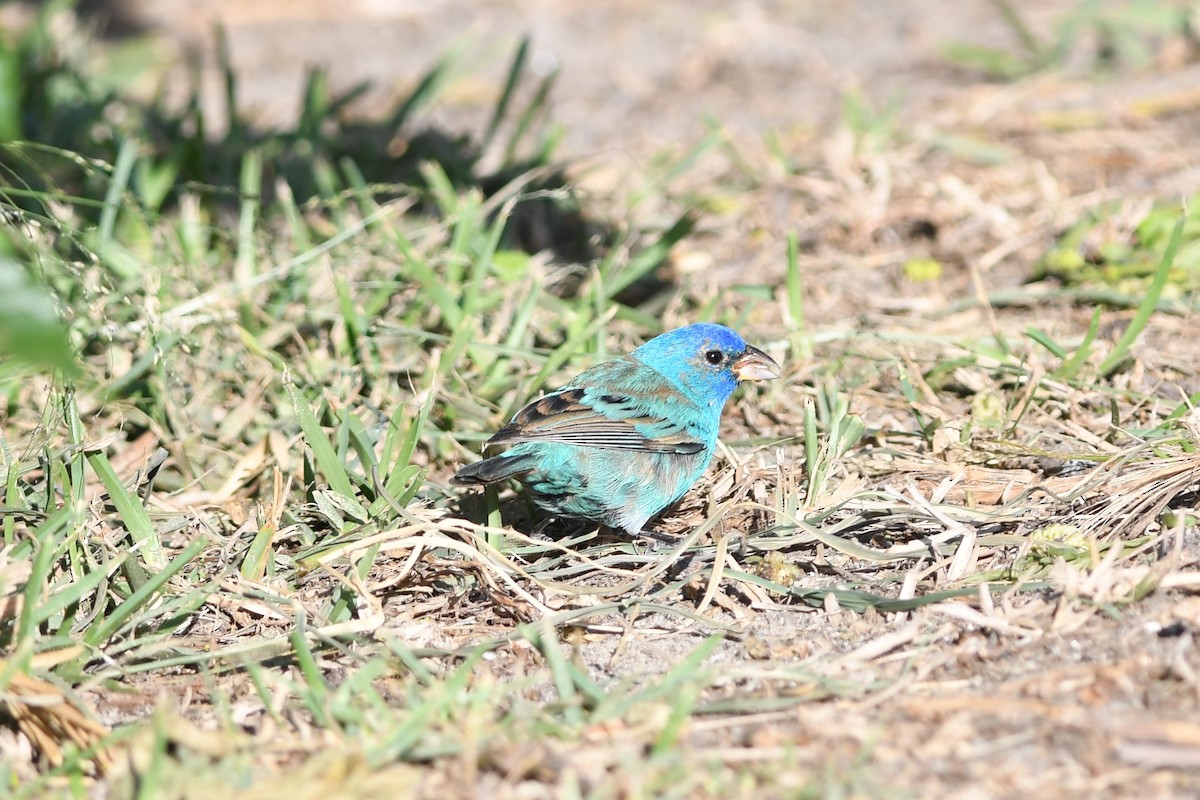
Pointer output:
x,y
759,654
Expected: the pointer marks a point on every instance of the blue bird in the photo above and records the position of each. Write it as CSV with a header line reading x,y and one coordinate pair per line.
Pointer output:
x,y
628,437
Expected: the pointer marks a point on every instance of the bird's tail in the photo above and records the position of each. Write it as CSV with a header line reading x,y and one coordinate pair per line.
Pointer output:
x,y
497,468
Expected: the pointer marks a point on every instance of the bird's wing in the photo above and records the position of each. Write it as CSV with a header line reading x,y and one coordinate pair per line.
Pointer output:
x,y
597,416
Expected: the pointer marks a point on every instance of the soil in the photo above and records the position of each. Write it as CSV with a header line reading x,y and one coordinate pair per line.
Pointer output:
x,y
632,75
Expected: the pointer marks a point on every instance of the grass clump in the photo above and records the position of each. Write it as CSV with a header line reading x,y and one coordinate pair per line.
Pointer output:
x,y
1103,36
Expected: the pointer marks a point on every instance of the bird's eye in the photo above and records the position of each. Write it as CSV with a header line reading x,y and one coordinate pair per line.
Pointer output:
x,y
714,356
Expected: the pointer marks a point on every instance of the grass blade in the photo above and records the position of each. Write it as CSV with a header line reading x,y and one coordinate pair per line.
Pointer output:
x,y
117,186
1149,302
323,451
510,85
106,628
131,512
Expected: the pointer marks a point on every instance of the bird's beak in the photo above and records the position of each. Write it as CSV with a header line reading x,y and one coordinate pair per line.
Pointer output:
x,y
755,365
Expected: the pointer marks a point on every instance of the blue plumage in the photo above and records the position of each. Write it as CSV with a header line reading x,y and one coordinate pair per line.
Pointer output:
x,y
628,437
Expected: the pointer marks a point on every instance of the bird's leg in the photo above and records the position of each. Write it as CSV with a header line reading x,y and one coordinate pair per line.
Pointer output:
x,y
657,540
541,526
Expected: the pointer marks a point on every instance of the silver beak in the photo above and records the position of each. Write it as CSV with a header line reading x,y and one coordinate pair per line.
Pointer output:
x,y
755,365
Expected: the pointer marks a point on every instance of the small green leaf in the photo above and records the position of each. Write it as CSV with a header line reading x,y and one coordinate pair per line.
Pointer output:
x,y
30,329
987,409
511,265
922,270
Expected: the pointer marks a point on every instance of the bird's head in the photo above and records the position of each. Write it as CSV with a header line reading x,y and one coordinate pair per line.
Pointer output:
x,y
706,361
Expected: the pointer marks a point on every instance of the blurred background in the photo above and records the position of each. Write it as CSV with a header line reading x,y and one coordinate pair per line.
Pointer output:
x,y
632,74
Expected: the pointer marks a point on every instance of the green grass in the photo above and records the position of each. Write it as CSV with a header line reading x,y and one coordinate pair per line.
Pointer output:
x,y
1112,36
247,366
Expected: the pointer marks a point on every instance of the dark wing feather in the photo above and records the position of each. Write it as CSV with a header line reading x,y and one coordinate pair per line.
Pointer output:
x,y
590,418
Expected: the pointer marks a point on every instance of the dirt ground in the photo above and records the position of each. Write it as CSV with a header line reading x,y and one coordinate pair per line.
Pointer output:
x,y
1044,701
633,76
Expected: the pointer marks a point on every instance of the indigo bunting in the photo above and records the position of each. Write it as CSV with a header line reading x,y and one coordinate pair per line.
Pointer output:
x,y
628,437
